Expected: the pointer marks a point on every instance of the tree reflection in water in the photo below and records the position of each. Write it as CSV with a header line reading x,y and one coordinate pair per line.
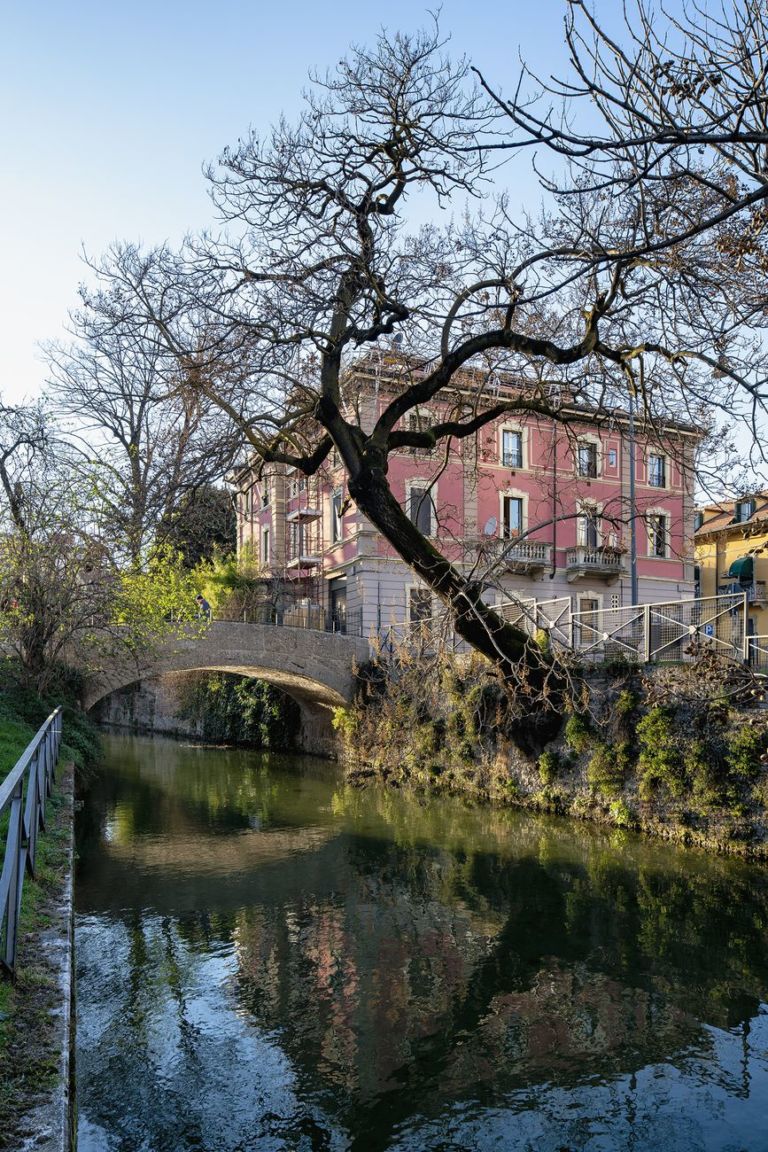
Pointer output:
x,y
269,955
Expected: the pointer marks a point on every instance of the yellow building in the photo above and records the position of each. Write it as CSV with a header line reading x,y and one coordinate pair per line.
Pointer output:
x,y
731,550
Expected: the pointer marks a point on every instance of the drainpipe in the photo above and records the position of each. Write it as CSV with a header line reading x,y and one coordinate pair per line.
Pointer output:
x,y
554,500
634,594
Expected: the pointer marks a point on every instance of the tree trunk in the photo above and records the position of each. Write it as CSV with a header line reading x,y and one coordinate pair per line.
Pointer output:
x,y
517,657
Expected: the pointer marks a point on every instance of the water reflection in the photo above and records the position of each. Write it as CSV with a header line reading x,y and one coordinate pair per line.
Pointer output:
x,y
270,959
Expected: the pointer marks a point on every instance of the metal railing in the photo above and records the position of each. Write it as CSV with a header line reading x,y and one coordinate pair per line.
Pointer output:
x,y
22,797
314,617
680,630
758,652
551,616
676,631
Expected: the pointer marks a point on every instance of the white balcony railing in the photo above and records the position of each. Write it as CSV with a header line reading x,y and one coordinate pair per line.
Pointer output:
x,y
522,555
586,561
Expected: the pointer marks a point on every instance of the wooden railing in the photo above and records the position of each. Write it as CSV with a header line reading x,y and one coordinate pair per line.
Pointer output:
x,y
22,802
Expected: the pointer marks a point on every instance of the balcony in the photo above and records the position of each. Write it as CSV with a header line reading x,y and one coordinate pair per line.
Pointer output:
x,y
756,592
302,514
601,563
527,557
304,560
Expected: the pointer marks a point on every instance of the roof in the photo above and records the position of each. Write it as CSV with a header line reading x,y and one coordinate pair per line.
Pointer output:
x,y
722,517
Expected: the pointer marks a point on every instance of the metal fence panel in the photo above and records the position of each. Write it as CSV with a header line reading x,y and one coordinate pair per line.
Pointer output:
x,y
22,796
677,631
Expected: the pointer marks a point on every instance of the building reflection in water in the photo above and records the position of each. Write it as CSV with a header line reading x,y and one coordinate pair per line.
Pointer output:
x,y
408,976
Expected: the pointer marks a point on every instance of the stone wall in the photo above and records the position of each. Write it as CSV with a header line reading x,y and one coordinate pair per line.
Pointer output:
x,y
151,705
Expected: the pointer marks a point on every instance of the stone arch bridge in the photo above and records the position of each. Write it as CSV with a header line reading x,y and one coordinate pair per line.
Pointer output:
x,y
315,668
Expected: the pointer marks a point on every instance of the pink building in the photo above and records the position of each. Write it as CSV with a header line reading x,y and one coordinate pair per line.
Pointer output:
x,y
538,510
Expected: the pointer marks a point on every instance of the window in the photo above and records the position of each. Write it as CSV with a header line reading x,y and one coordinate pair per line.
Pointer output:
x,y
419,605
337,526
698,520
587,627
657,534
265,495
297,539
265,546
511,448
745,509
511,516
588,527
612,457
587,459
420,422
657,471
420,507
247,502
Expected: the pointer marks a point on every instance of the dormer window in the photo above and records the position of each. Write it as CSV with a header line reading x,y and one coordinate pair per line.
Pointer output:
x,y
745,510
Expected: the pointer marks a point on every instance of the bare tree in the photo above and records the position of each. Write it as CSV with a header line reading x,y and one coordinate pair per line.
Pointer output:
x,y
664,120
142,440
26,436
319,265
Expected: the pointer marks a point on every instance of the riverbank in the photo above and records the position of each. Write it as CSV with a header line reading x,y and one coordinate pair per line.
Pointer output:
x,y
37,1029
35,1012
679,752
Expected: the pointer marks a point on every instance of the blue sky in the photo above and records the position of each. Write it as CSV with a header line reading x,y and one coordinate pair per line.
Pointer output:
x,y
110,110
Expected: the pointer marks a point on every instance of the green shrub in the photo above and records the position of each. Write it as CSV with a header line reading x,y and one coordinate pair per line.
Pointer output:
x,y
660,762
578,733
744,747
234,709
703,769
607,768
621,814
549,765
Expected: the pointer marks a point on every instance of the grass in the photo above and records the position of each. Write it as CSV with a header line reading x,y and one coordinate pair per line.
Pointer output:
x,y
29,1059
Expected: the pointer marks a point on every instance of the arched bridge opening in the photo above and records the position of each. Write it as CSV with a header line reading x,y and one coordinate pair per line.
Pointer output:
x,y
315,669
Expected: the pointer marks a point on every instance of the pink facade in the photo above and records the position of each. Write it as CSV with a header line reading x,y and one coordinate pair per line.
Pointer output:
x,y
538,510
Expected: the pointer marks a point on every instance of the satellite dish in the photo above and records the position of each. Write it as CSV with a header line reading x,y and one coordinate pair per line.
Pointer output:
x,y
490,527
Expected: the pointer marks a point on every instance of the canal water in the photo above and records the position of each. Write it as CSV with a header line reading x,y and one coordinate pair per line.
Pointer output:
x,y
268,959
